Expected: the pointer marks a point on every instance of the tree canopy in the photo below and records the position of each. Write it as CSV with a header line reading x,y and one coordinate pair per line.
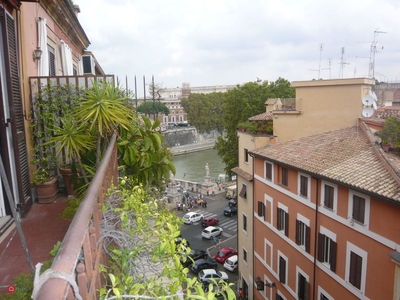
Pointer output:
x,y
152,108
242,103
204,111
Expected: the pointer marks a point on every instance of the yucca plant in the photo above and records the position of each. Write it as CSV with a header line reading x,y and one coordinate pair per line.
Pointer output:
x,y
103,109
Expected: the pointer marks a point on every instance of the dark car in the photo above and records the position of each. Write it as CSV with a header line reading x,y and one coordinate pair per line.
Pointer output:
x,y
232,202
230,211
209,221
195,254
202,264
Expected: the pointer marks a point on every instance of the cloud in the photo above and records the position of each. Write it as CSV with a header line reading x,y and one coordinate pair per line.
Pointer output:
x,y
208,42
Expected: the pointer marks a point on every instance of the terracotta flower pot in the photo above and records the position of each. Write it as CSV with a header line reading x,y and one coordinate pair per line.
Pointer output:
x,y
47,191
66,174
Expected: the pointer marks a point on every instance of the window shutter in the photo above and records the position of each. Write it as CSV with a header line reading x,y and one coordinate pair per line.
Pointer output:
x,y
306,290
16,111
355,270
332,259
278,219
298,224
320,247
286,224
307,239
282,269
260,208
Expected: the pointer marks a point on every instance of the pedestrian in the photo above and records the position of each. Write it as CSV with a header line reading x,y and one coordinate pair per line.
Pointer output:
x,y
205,203
219,240
241,294
215,241
208,191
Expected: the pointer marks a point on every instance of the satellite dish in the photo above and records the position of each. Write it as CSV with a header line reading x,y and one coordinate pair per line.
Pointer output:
x,y
374,95
368,100
374,105
367,112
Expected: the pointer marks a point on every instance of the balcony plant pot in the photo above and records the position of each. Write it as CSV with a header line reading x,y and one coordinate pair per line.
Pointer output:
x,y
66,174
47,191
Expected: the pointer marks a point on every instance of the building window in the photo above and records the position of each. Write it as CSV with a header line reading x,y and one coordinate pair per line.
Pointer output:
x,y
282,270
261,210
303,235
282,221
244,255
246,155
327,251
328,196
279,297
304,186
355,270
268,171
303,287
52,61
243,192
284,177
323,297
244,223
359,209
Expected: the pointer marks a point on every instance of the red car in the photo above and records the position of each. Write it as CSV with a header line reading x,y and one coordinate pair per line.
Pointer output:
x,y
224,254
209,221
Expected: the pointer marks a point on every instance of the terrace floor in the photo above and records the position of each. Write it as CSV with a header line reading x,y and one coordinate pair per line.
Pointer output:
x,y
42,228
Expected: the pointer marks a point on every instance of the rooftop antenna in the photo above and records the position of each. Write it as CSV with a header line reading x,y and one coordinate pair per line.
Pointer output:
x,y
342,63
319,68
371,73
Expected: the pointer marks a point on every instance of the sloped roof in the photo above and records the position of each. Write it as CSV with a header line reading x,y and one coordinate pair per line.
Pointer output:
x,y
242,173
261,117
346,156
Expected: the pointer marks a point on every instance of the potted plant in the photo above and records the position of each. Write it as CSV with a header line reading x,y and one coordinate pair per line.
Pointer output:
x,y
70,140
50,102
390,133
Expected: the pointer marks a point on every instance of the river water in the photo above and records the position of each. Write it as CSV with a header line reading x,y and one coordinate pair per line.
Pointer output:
x,y
191,166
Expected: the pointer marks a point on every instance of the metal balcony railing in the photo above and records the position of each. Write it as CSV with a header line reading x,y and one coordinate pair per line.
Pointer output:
x,y
74,273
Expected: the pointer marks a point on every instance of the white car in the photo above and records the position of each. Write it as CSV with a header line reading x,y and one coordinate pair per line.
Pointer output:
x,y
231,263
206,275
211,231
192,217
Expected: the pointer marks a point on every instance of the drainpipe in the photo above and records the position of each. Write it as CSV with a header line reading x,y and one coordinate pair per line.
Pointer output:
x,y
315,236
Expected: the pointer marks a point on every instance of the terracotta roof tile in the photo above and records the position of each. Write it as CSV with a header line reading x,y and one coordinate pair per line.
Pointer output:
x,y
261,117
344,155
242,173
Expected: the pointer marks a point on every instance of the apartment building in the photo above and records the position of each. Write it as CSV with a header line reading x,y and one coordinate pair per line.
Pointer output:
x,y
42,41
300,237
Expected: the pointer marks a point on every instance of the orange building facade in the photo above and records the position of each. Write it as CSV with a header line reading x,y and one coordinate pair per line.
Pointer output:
x,y
325,214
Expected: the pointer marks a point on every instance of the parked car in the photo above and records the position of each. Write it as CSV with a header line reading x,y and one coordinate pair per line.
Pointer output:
x,y
192,217
232,202
223,254
217,289
209,221
231,263
193,255
206,275
180,240
211,231
230,211
202,264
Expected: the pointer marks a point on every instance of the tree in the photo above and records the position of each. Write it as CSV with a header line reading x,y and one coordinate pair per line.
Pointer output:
x,y
390,133
240,104
204,111
153,108
144,258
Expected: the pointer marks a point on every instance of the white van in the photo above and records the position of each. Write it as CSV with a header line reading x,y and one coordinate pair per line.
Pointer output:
x,y
192,217
231,263
231,192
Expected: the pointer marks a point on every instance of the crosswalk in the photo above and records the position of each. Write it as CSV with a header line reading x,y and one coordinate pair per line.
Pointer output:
x,y
229,224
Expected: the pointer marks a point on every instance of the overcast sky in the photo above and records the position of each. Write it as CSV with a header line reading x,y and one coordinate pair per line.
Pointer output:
x,y
218,42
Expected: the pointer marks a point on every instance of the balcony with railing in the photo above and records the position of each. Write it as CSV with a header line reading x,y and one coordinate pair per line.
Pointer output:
x,y
287,106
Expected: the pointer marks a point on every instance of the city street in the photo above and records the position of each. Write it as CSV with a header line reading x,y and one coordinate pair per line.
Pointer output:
x,y
192,233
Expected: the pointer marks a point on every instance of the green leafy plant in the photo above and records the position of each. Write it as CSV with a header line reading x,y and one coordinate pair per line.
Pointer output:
x,y
390,133
49,104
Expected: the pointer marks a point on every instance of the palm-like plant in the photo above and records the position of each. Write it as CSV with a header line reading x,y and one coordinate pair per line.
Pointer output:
x,y
104,109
